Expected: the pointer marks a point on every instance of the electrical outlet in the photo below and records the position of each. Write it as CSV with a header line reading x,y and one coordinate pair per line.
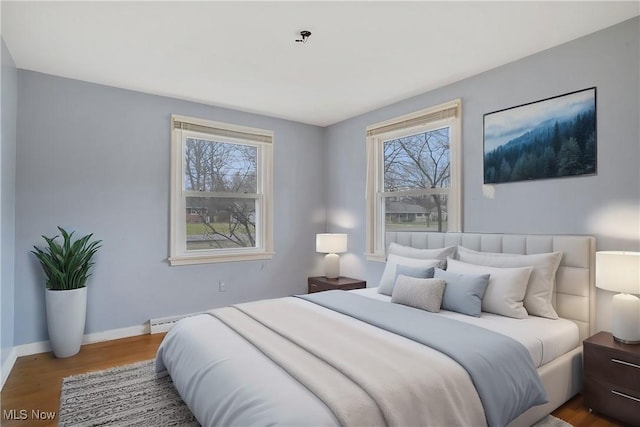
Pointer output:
x,y
222,286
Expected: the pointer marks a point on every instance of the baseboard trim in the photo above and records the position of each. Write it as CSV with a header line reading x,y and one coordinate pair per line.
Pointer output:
x,y
44,346
33,348
7,365
94,337
115,334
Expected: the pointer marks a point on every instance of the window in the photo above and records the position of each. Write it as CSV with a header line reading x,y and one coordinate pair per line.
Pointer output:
x,y
413,175
220,192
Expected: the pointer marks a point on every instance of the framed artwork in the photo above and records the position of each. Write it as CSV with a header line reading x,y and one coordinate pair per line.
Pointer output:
x,y
552,138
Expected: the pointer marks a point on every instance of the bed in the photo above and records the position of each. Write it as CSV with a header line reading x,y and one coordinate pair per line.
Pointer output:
x,y
343,370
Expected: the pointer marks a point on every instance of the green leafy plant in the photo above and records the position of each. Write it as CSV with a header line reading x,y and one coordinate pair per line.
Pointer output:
x,y
67,266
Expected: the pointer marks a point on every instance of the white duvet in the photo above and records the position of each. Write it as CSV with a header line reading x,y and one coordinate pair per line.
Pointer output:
x,y
227,381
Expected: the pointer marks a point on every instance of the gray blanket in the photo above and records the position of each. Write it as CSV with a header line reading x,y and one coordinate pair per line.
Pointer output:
x,y
500,367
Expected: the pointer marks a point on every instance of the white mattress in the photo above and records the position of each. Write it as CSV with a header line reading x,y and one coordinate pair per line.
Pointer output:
x,y
545,339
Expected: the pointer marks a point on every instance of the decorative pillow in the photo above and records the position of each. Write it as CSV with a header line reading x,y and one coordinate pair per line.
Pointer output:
x,y
425,294
537,300
463,292
389,275
507,286
409,252
419,272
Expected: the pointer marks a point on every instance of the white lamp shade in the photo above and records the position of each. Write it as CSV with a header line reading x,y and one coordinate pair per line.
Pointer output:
x,y
618,271
331,243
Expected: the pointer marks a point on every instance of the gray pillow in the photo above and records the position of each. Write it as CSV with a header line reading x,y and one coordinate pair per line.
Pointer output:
x,y
411,271
506,289
463,292
388,278
425,294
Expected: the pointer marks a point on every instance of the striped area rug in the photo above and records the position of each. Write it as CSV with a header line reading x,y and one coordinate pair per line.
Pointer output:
x,y
133,395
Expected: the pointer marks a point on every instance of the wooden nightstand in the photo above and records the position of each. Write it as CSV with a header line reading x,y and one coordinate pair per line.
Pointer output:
x,y
321,283
612,378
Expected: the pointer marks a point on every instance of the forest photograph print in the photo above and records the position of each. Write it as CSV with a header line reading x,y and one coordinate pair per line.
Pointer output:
x,y
552,138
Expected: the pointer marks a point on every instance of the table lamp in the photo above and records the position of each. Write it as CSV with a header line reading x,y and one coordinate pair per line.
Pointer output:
x,y
620,272
331,244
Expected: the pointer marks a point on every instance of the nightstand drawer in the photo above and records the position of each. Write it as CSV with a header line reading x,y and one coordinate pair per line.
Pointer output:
x,y
611,366
618,402
612,377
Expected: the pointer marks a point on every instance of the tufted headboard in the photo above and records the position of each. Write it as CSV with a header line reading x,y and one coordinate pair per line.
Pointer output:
x,y
574,294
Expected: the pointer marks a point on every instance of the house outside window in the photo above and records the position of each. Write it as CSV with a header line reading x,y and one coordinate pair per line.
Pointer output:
x,y
413,178
220,192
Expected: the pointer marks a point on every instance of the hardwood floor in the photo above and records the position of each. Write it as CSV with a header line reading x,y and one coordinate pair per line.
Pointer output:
x,y
575,413
34,382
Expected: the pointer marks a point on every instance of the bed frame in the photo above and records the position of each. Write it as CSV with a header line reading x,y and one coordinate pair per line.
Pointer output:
x,y
573,296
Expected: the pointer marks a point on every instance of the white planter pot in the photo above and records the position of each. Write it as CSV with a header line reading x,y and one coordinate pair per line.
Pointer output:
x,y
66,315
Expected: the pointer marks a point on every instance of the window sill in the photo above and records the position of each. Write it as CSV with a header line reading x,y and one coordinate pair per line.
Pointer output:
x,y
375,257
206,259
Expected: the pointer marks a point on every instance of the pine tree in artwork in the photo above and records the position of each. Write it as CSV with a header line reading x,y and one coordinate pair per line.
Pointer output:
x,y
570,159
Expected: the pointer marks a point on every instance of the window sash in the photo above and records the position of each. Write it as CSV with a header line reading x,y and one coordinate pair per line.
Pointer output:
x,y
381,200
181,131
221,195
259,203
258,196
415,192
406,133
184,135
444,115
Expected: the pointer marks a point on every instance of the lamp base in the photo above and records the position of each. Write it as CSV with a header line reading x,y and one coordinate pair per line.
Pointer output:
x,y
331,266
623,341
625,319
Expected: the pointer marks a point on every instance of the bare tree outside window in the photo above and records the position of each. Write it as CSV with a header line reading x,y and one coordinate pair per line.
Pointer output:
x,y
220,179
413,175
417,175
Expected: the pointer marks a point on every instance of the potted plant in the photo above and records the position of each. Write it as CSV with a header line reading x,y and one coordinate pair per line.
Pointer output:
x,y
66,267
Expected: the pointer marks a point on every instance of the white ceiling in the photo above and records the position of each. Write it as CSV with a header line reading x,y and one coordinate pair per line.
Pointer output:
x,y
242,55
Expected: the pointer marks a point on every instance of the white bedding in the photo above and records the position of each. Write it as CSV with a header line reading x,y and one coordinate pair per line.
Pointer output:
x,y
226,381
358,373
545,339
203,355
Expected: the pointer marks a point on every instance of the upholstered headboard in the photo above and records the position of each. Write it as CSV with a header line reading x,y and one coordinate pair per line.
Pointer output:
x,y
574,293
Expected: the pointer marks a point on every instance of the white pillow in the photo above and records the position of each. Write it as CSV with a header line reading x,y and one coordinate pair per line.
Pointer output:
x,y
506,289
537,300
409,252
389,275
424,294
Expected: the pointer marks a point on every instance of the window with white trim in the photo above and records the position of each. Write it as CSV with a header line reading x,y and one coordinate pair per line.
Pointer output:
x,y
221,189
413,175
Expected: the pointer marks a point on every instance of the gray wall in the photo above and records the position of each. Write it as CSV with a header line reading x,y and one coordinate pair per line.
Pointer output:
x,y
7,223
606,205
96,159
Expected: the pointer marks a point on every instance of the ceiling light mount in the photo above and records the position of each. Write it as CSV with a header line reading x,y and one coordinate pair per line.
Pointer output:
x,y
304,35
